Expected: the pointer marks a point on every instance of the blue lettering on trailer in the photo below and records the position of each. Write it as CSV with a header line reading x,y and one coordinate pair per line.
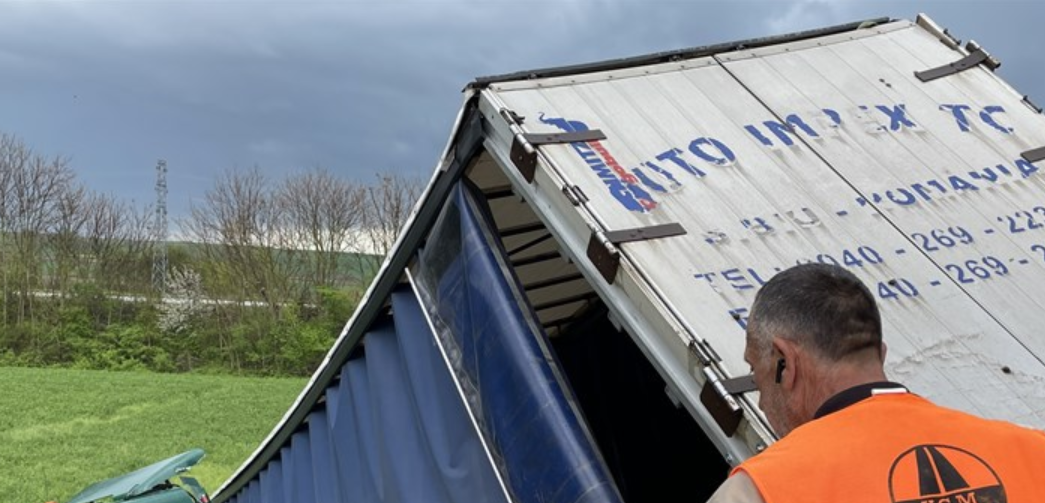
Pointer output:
x,y
623,186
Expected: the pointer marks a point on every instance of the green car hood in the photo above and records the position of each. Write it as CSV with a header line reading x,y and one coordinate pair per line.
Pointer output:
x,y
139,481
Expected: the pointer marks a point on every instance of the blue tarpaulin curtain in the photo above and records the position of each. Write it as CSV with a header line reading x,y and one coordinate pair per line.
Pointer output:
x,y
502,360
394,427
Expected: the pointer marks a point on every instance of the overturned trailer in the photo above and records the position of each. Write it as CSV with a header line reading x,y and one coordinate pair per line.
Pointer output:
x,y
562,318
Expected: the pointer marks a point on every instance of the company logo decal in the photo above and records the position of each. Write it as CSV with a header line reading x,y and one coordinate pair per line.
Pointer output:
x,y
623,185
943,474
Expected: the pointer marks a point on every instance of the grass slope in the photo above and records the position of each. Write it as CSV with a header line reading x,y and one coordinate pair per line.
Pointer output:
x,y
61,430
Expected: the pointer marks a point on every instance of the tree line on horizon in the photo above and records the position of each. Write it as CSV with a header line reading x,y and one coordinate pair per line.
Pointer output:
x,y
270,270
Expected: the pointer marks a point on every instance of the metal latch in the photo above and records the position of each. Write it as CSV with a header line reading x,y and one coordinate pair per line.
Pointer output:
x,y
1034,155
940,33
977,56
1030,104
603,251
574,194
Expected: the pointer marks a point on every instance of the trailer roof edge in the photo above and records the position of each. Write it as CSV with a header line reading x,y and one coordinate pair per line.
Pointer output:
x,y
675,55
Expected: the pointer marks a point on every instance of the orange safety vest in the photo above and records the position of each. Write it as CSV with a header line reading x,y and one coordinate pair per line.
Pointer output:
x,y
901,448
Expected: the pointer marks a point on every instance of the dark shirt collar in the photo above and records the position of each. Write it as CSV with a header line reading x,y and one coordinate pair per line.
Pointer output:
x,y
855,394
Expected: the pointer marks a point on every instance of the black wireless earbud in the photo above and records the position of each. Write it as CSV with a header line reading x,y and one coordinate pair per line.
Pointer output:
x,y
780,366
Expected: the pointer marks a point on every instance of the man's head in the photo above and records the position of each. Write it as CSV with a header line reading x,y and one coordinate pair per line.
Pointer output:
x,y
814,330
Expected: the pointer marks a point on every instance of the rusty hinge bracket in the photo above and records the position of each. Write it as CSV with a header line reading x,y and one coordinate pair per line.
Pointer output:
x,y
603,251
524,145
977,56
719,395
1034,155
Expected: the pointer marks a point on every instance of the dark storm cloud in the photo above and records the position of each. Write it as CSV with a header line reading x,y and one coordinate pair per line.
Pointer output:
x,y
357,87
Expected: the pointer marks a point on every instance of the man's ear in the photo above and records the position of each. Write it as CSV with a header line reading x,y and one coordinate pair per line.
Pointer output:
x,y
883,351
789,352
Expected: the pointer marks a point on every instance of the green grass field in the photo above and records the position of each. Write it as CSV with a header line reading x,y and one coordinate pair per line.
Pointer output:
x,y
61,430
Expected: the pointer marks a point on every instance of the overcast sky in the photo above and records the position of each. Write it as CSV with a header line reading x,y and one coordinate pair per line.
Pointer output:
x,y
358,87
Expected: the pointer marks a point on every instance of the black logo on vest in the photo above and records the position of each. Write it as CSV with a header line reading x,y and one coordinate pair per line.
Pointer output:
x,y
943,474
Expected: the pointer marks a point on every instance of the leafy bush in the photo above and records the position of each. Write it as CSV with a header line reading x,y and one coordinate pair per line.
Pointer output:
x,y
89,329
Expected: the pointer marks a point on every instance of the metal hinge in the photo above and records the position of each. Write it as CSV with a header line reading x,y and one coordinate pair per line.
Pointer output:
x,y
940,33
977,56
603,251
1034,155
524,145
719,395
574,194
1027,101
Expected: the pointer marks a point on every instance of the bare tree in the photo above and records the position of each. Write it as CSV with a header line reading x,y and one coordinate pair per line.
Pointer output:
x,y
389,203
12,152
323,214
64,241
244,239
117,243
34,188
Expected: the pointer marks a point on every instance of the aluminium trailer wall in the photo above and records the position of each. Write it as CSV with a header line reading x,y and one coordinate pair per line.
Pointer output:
x,y
823,149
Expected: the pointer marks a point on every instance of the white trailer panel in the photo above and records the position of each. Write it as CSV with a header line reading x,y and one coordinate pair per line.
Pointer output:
x,y
827,149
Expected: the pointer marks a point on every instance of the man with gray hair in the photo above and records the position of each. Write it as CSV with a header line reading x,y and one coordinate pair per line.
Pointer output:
x,y
814,344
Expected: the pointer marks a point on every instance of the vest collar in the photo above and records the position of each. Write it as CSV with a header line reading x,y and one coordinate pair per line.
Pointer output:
x,y
855,394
